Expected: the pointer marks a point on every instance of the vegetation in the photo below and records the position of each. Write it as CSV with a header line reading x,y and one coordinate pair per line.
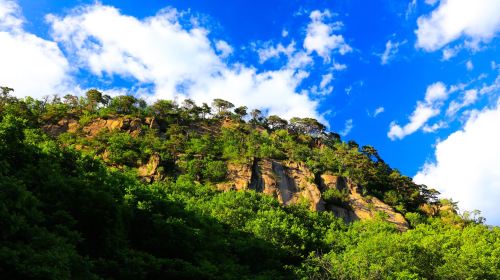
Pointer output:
x,y
72,205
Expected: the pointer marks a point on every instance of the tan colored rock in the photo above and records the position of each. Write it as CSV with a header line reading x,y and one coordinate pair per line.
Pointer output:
x,y
152,123
238,177
291,182
288,182
149,171
303,180
131,125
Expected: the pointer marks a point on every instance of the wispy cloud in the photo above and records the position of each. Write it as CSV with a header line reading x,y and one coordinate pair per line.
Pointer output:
x,y
348,125
425,110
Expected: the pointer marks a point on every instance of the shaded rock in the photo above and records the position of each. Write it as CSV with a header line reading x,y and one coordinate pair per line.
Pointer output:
x,y
288,182
361,208
64,125
291,182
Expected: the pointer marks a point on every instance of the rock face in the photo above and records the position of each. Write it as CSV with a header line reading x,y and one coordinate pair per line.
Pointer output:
x,y
292,182
149,171
128,124
361,208
64,125
131,125
238,177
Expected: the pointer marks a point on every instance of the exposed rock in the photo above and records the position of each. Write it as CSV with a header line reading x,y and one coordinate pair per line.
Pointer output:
x,y
152,123
239,177
290,182
362,208
64,125
149,172
131,125
303,180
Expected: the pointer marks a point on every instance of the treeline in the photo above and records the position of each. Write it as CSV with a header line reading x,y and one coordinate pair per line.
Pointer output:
x,y
183,147
67,214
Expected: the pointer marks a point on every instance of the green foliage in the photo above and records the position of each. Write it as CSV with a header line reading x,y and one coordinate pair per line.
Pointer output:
x,y
72,207
336,197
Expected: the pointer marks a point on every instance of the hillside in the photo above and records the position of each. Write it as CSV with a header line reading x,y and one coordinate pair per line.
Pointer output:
x,y
98,187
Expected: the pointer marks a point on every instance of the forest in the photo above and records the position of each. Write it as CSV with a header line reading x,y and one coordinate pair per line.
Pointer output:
x,y
101,187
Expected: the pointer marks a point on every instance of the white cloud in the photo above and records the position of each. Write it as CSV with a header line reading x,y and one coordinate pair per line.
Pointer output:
x,y
179,62
284,33
433,128
469,97
223,48
325,80
425,110
271,51
347,128
29,64
436,92
449,53
469,65
495,66
477,21
339,67
378,111
412,6
320,37
431,2
391,49
466,166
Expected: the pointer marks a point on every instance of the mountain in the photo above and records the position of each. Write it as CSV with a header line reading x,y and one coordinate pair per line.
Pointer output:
x,y
98,187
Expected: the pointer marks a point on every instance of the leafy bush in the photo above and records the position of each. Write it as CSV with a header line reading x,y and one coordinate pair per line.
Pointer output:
x,y
336,197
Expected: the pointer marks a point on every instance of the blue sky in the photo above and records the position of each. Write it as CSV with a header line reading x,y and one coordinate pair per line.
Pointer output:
x,y
417,79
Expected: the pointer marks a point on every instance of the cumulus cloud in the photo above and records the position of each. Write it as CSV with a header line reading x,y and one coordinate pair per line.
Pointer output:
x,y
223,48
477,21
320,37
466,165
29,64
181,62
425,110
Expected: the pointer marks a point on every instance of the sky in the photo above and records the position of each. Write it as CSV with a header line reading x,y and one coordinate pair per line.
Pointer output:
x,y
419,79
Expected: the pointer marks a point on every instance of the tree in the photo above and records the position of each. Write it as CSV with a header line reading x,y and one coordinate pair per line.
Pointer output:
x,y
370,152
274,122
124,104
4,96
5,91
256,115
222,106
241,111
306,126
94,98
205,110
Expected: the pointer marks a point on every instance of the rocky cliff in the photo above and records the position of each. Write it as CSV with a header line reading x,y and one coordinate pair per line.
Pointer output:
x,y
292,182
289,182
